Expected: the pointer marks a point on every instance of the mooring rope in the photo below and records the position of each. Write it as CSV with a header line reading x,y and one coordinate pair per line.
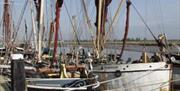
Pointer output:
x,y
114,18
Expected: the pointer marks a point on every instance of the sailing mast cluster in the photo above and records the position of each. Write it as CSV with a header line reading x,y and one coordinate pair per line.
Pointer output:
x,y
80,70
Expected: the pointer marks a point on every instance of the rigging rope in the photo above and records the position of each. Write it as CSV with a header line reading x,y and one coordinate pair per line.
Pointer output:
x,y
88,20
145,34
47,23
1,21
19,21
74,30
79,23
89,23
148,28
114,18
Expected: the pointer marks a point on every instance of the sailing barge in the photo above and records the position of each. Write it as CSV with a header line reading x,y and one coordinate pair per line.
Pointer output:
x,y
159,75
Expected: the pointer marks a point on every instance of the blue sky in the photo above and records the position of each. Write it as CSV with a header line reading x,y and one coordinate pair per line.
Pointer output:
x,y
163,16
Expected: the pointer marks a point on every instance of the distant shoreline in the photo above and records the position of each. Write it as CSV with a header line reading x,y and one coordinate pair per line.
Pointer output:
x,y
119,42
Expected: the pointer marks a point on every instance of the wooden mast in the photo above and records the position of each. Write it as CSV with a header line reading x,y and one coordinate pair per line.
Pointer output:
x,y
101,8
34,27
50,34
99,28
40,29
58,6
7,24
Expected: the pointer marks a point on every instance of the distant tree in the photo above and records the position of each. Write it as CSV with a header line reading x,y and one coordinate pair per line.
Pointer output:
x,y
145,39
138,39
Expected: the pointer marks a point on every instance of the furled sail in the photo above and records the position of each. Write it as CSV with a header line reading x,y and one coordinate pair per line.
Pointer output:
x,y
7,24
101,10
58,6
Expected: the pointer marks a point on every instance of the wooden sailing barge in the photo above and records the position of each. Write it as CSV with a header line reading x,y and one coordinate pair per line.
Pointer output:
x,y
72,77
161,73
145,75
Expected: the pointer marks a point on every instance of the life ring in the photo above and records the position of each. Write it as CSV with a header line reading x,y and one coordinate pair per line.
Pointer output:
x,y
117,73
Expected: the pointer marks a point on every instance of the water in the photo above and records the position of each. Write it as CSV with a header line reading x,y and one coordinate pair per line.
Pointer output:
x,y
132,51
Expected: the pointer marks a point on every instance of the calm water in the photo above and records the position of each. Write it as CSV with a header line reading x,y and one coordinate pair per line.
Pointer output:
x,y
133,52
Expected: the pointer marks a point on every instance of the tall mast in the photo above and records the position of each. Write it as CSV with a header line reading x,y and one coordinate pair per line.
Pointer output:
x,y
33,25
58,6
51,34
7,23
101,10
40,28
98,27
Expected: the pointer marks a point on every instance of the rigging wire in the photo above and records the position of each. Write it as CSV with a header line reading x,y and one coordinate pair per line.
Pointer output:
x,y
145,34
87,18
51,31
52,8
31,32
34,33
109,22
11,10
148,28
79,25
61,42
19,21
88,23
1,22
114,18
77,40
47,23
92,12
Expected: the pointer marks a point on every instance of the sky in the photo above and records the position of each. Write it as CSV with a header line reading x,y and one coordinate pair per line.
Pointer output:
x,y
162,16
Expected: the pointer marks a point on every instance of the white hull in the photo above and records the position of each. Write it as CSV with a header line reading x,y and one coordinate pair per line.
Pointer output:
x,y
139,77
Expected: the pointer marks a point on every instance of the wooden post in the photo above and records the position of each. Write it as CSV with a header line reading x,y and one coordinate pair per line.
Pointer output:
x,y
17,73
